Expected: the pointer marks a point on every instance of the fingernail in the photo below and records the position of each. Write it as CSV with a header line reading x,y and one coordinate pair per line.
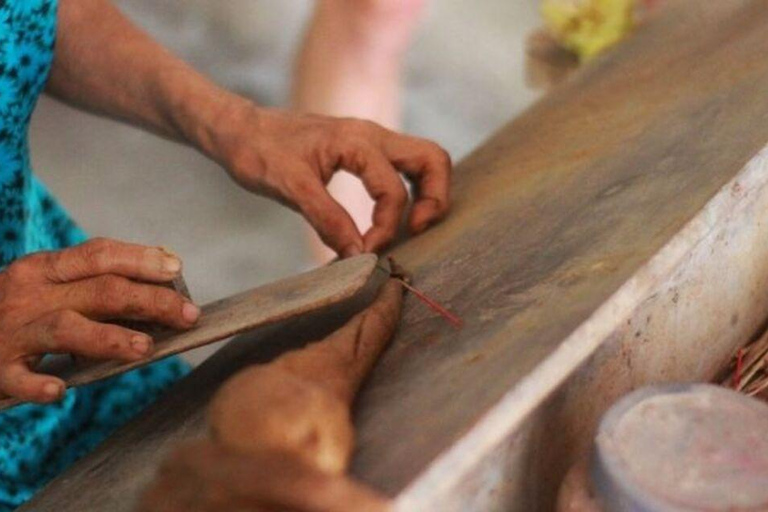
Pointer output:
x,y
168,251
53,390
140,345
190,312
171,265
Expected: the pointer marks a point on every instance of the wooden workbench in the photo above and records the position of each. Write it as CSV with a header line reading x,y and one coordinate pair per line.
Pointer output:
x,y
612,235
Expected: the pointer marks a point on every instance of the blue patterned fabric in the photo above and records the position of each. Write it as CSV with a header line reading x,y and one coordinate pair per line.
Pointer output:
x,y
38,442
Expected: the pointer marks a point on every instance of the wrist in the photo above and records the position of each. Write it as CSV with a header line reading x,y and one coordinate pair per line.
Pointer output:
x,y
204,115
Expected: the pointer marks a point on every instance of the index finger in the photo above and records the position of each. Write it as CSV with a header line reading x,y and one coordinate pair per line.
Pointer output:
x,y
331,221
430,165
101,256
384,186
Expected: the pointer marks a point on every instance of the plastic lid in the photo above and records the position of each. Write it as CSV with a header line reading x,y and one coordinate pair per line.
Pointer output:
x,y
683,448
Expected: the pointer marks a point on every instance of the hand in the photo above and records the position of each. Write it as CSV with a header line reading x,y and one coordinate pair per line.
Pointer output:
x,y
106,65
292,157
201,476
56,302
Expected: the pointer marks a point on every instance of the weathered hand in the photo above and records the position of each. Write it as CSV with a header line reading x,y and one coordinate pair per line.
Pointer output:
x,y
55,302
201,476
104,64
291,158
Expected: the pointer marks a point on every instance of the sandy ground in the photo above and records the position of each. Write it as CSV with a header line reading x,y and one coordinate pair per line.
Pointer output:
x,y
465,78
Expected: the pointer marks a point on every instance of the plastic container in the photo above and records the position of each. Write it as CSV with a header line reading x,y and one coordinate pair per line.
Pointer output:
x,y
678,448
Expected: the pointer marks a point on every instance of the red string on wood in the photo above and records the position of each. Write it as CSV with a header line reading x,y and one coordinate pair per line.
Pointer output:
x,y
454,320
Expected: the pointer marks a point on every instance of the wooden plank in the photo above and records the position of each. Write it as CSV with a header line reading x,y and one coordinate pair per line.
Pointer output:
x,y
109,478
256,308
679,318
556,228
553,215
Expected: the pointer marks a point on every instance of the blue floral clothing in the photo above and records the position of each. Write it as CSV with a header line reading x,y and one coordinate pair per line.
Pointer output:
x,y
38,442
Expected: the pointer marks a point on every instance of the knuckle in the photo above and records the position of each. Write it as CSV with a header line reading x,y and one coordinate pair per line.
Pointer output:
x,y
99,253
301,188
24,268
98,242
356,155
438,157
368,126
355,129
61,325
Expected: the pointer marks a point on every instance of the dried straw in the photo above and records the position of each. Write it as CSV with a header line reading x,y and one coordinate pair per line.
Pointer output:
x,y
751,376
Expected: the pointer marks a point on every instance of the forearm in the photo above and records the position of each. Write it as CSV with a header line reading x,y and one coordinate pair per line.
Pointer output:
x,y
105,64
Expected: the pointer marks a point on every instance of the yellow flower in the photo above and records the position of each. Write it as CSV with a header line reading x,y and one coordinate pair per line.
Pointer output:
x,y
587,27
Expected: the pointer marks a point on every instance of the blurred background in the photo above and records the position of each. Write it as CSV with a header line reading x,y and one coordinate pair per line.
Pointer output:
x,y
464,79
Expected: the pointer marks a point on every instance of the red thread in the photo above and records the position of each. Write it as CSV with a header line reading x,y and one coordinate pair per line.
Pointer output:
x,y
454,320
739,368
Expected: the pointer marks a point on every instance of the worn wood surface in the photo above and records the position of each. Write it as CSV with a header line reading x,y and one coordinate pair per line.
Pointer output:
x,y
552,217
262,306
109,479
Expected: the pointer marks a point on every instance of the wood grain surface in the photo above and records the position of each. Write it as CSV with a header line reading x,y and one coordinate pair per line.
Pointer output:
x,y
552,215
259,307
110,478
556,212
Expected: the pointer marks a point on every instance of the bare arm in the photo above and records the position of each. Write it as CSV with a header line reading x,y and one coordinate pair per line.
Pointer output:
x,y
106,65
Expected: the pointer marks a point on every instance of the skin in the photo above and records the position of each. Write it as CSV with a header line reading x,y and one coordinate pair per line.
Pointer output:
x,y
350,64
350,61
56,302
281,434
202,476
340,363
300,403
104,64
